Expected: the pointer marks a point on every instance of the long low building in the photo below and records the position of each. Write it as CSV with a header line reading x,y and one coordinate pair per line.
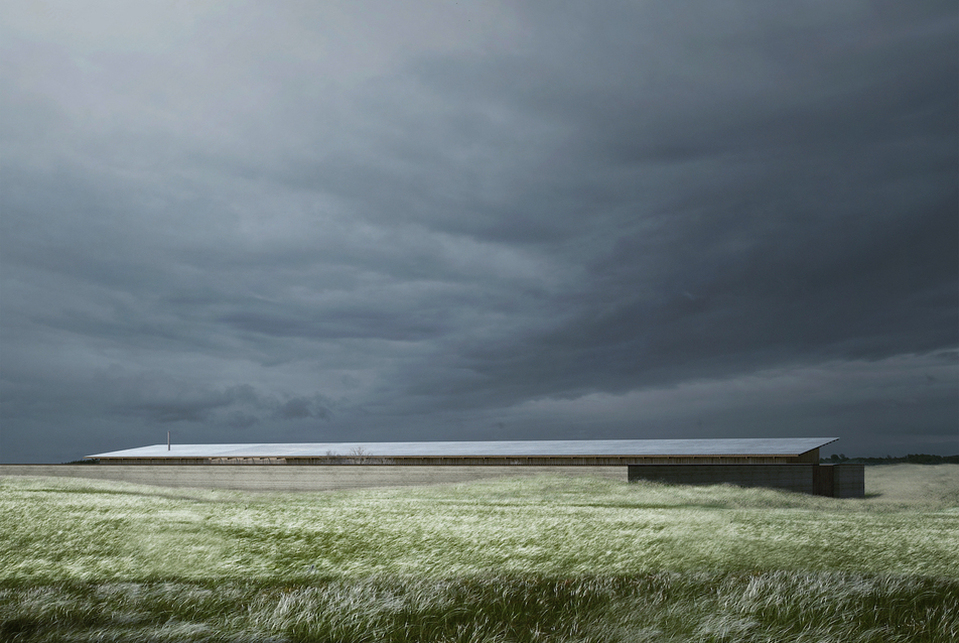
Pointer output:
x,y
498,452
785,463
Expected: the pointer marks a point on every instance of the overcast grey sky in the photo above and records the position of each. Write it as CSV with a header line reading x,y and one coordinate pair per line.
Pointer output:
x,y
322,221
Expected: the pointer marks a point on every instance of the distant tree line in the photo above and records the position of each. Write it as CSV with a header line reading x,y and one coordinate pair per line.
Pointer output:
x,y
912,458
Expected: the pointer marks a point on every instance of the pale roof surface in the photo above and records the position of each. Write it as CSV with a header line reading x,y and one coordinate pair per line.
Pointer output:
x,y
499,448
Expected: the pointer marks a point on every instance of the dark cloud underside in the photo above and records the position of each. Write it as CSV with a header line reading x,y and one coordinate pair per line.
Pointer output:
x,y
280,221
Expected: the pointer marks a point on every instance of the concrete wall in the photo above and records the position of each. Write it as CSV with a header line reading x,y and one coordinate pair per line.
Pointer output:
x,y
791,477
849,480
252,477
839,481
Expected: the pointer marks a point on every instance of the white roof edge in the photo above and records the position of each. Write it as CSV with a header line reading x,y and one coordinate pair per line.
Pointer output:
x,y
491,448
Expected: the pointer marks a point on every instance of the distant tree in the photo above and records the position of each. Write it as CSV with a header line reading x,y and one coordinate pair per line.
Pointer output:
x,y
359,455
912,458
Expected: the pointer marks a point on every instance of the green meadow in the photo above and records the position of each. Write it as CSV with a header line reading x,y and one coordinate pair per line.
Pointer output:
x,y
546,558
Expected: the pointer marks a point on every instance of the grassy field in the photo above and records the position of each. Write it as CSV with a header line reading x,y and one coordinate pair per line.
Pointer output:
x,y
534,559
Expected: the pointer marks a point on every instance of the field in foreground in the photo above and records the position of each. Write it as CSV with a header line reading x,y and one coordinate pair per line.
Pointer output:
x,y
541,559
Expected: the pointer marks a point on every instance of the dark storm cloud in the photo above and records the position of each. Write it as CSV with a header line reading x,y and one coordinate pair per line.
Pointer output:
x,y
301,407
176,404
289,221
159,399
798,297
812,221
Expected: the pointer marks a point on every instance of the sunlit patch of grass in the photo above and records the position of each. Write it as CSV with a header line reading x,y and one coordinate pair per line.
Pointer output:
x,y
534,559
67,529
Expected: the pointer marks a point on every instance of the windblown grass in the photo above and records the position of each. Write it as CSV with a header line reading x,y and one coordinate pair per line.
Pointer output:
x,y
775,606
541,559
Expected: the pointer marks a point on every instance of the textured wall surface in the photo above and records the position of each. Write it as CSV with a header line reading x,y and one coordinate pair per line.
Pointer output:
x,y
839,481
296,478
849,480
792,477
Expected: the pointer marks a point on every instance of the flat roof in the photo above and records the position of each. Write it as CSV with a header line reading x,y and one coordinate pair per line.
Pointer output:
x,y
498,448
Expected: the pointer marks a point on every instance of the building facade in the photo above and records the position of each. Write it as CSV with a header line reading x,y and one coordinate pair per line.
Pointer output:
x,y
783,463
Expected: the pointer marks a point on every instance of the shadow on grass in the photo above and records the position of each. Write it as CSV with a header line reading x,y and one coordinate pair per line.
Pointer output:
x,y
771,606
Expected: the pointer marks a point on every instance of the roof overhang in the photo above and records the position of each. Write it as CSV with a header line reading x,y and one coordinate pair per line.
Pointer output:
x,y
734,447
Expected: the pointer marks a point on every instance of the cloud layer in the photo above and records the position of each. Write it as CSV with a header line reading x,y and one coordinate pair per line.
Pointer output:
x,y
278,221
